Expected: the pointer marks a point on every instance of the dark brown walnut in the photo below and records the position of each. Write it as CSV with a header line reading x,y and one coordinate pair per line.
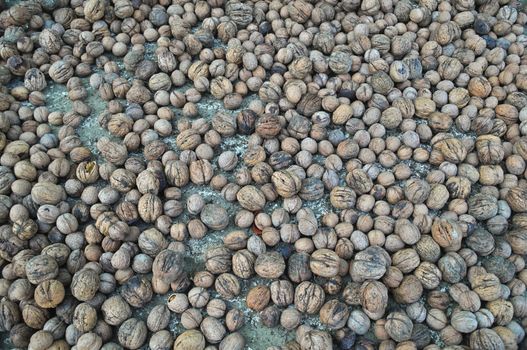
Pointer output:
x,y
373,296
269,265
342,197
298,267
334,314
286,183
371,263
85,284
324,263
258,298
227,285
251,198
452,149
309,297
312,189
246,121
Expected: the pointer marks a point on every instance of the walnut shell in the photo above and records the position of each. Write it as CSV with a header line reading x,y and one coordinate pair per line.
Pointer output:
x,y
516,197
34,80
85,284
324,263
149,207
299,11
447,234
113,152
251,198
487,286
374,299
61,71
94,10
269,265
452,149
177,173
258,298
309,297
398,326
485,339
41,268
342,197
214,216
47,193
371,263
190,340
286,183
239,12
132,333
334,314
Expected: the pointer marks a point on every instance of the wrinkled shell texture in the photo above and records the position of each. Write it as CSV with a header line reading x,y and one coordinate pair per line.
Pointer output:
x,y
265,175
